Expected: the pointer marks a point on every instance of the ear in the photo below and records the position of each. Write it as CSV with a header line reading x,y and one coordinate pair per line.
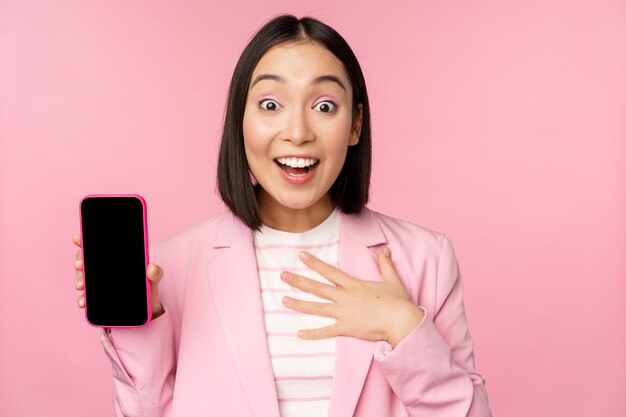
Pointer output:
x,y
357,122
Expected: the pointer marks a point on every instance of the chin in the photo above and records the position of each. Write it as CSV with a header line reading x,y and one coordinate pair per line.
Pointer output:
x,y
294,200
296,203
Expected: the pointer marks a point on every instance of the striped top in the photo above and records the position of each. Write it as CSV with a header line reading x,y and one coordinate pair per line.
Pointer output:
x,y
303,369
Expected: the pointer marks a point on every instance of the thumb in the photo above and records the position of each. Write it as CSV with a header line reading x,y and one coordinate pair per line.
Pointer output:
x,y
387,269
155,273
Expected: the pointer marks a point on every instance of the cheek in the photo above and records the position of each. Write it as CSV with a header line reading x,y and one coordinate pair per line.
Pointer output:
x,y
252,135
338,129
256,130
337,160
248,126
337,137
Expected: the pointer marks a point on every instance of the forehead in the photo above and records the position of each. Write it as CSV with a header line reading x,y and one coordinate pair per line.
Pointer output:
x,y
300,63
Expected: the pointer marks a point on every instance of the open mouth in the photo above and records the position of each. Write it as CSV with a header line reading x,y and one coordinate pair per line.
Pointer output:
x,y
296,171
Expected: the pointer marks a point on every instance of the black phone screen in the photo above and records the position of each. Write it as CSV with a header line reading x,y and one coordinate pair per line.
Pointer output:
x,y
114,246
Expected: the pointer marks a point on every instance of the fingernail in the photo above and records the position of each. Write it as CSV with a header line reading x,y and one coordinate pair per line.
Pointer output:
x,y
287,300
304,256
386,251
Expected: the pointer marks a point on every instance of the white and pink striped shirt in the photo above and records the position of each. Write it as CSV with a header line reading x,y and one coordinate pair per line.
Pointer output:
x,y
303,369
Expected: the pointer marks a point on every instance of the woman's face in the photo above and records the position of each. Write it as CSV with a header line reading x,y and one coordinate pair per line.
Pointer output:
x,y
293,113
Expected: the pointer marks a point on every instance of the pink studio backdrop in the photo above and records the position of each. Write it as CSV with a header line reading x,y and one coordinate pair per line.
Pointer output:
x,y
500,123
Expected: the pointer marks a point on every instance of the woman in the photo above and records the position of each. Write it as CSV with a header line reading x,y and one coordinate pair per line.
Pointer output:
x,y
381,337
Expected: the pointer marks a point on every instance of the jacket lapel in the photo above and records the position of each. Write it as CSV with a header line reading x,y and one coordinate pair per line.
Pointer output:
x,y
233,278
353,357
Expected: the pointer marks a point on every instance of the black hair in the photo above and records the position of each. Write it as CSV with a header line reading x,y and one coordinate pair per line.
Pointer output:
x,y
350,191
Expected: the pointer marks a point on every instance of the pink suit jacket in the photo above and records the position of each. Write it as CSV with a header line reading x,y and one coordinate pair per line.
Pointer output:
x,y
207,355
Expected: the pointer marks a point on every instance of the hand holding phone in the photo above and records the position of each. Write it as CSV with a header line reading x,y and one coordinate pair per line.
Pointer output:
x,y
112,263
155,273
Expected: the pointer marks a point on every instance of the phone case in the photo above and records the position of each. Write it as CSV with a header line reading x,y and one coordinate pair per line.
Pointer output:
x,y
146,251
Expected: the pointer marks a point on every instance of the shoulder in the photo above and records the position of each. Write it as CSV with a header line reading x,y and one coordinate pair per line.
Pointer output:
x,y
410,233
424,254
200,233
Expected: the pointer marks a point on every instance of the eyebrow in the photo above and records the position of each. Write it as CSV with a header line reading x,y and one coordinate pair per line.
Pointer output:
x,y
318,80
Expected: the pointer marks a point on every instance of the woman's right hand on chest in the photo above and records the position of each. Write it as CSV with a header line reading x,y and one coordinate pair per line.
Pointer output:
x,y
155,274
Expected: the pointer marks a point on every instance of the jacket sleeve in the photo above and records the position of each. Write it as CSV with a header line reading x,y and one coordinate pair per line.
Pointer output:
x,y
432,369
144,366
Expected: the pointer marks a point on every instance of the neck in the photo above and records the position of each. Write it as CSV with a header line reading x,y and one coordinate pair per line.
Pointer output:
x,y
287,219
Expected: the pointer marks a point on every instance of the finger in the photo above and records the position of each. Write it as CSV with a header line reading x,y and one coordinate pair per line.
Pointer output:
x,y
76,240
79,254
310,307
155,273
78,265
321,333
80,285
330,272
81,301
387,270
309,285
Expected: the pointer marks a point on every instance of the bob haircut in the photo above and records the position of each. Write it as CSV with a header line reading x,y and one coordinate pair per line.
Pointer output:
x,y
350,191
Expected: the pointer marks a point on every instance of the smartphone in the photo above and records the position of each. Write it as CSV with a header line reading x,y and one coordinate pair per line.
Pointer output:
x,y
114,236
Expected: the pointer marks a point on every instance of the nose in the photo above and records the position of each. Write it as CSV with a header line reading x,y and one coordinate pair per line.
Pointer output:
x,y
298,128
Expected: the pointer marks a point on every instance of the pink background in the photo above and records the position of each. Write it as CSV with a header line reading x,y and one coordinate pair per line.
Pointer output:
x,y
500,123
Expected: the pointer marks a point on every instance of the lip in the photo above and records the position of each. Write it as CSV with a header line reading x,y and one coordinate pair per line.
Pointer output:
x,y
297,180
297,156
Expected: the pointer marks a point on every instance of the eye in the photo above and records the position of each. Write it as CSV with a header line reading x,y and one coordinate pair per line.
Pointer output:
x,y
326,106
271,106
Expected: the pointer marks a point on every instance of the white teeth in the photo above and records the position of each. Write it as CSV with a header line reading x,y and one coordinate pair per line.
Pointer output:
x,y
296,162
